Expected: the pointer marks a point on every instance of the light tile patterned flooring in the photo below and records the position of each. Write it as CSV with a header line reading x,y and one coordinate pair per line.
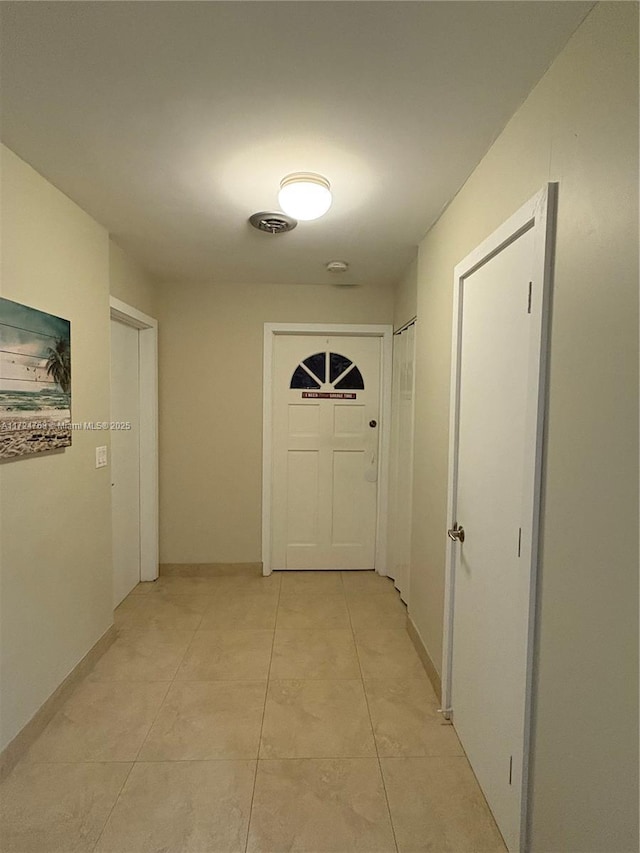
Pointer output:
x,y
288,713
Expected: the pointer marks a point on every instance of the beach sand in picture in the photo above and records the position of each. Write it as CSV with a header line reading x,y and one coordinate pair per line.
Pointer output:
x,y
35,381
30,433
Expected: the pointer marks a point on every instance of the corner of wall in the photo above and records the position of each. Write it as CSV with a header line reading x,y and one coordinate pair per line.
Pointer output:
x,y
405,302
131,282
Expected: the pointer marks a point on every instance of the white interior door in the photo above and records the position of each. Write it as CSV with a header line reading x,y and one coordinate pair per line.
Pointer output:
x,y
325,429
402,408
494,496
125,459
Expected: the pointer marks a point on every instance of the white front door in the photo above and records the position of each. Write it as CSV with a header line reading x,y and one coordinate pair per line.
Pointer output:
x,y
125,459
325,427
495,491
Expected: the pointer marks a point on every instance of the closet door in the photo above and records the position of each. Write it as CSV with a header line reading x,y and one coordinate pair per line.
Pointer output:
x,y
402,458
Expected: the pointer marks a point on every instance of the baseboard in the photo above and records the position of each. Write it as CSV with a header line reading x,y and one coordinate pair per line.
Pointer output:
x,y
15,749
209,570
425,658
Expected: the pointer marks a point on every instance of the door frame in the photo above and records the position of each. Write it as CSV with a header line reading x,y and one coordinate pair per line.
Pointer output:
x,y
539,214
148,400
385,333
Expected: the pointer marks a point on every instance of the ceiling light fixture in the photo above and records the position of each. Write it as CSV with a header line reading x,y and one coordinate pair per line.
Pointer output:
x,y
305,195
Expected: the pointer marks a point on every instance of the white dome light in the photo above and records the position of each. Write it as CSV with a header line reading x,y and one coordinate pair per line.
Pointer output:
x,y
304,195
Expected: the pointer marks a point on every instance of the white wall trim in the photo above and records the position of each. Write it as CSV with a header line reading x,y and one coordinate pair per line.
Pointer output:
x,y
538,214
148,354
385,332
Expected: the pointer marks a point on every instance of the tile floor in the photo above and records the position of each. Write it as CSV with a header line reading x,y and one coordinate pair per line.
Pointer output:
x,y
288,713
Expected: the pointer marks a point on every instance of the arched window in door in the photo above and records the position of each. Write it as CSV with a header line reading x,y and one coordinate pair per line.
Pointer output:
x,y
336,371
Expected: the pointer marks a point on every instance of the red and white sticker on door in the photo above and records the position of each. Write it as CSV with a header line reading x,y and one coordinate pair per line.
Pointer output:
x,y
327,395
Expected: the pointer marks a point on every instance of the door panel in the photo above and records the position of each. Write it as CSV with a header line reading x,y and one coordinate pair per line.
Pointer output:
x,y
347,523
302,497
491,587
304,421
326,392
348,421
125,459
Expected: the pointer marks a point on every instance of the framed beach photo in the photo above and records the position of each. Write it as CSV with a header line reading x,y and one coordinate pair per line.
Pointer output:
x,y
35,381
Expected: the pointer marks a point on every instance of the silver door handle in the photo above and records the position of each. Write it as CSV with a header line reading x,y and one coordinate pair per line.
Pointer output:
x,y
456,533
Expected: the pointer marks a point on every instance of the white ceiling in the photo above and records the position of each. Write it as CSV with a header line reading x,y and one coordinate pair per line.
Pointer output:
x,y
172,122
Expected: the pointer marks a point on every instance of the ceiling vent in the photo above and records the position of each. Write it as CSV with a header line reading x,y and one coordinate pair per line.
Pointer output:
x,y
273,222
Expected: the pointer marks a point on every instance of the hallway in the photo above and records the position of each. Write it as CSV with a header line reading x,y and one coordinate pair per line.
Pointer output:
x,y
310,676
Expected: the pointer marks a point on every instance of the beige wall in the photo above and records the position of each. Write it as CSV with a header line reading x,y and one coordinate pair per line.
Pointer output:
x,y
211,343
130,282
55,512
55,509
405,305
578,127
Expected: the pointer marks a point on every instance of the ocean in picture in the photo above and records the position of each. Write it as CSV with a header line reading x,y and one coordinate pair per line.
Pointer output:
x,y
35,380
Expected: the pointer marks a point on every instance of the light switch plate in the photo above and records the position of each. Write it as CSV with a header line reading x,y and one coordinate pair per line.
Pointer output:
x,y
101,457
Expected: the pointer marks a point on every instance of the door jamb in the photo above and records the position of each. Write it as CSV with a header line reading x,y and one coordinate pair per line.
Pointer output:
x,y
385,333
538,213
148,389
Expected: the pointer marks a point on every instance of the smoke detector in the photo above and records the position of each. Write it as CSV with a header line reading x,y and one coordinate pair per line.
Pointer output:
x,y
273,222
337,267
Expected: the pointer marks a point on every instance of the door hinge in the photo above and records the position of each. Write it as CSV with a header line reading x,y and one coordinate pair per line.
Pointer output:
x,y
511,769
519,540
447,714
529,300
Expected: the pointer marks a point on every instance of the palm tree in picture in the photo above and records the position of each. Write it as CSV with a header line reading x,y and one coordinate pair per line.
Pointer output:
x,y
59,365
